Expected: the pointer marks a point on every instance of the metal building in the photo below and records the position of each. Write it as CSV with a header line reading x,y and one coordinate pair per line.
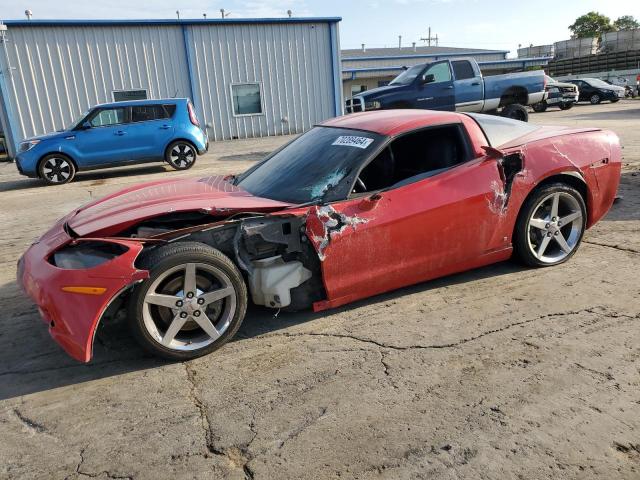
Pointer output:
x,y
246,77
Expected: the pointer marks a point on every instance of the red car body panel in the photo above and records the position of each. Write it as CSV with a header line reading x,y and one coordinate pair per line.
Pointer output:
x,y
460,219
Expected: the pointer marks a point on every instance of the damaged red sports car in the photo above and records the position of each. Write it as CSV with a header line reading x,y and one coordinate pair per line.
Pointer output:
x,y
357,206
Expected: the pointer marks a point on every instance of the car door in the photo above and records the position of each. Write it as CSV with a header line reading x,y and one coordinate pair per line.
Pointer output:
x,y
468,87
586,90
103,138
151,129
435,89
419,231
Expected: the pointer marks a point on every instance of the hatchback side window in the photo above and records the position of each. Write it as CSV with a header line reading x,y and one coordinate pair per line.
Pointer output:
x,y
108,117
145,113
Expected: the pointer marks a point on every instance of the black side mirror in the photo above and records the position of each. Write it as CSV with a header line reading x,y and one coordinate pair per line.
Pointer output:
x,y
85,126
430,78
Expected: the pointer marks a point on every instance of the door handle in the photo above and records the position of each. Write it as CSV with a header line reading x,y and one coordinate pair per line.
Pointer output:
x,y
165,127
475,84
120,133
450,87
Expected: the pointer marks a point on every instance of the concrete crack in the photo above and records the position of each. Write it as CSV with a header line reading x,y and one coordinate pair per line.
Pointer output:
x,y
204,418
605,375
114,476
615,247
434,346
301,428
30,424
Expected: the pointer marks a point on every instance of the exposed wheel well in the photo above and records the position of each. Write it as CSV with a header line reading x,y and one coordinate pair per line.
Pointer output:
x,y
514,95
68,157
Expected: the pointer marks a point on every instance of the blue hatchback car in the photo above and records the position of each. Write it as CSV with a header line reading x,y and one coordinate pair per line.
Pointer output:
x,y
116,134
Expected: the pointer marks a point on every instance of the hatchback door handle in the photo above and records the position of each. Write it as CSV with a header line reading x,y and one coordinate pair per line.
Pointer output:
x,y
165,127
120,133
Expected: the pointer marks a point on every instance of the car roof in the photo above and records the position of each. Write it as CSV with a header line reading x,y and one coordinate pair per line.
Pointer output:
x,y
131,103
393,122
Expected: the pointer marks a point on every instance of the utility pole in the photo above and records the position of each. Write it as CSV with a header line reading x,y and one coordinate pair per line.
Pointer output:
x,y
430,38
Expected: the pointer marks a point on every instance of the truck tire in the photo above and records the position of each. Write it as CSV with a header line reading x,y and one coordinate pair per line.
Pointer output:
x,y
565,106
515,111
540,107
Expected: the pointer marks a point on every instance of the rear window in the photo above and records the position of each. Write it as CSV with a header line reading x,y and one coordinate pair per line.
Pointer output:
x,y
499,130
144,113
463,70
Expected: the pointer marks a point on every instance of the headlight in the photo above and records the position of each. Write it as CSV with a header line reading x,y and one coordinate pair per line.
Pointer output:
x,y
372,105
83,255
28,145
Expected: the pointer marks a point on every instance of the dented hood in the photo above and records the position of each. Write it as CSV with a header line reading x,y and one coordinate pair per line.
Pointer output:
x,y
118,211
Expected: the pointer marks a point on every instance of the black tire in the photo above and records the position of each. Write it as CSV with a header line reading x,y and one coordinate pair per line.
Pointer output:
x,y
165,258
181,155
615,100
566,106
521,244
516,112
540,107
595,99
56,169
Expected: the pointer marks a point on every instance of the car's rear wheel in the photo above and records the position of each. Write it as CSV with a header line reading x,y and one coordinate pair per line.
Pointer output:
x,y
595,99
550,226
615,100
193,302
516,112
56,169
181,155
566,106
539,107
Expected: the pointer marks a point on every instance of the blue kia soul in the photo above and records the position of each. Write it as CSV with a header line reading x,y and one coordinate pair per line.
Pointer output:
x,y
116,134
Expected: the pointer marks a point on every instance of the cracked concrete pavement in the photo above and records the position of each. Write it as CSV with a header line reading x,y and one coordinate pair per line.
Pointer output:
x,y
497,373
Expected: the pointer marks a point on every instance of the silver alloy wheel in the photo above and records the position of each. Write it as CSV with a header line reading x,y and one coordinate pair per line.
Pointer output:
x,y
595,99
57,169
189,306
555,227
182,155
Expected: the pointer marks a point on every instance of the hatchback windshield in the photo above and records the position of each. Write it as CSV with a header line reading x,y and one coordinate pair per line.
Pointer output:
x,y
408,76
76,121
310,166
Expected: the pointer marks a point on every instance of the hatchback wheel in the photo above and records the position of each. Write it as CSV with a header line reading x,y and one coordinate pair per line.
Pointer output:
x,y
56,169
181,155
550,226
193,302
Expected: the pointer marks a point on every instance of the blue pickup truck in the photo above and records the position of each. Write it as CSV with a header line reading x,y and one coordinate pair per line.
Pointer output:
x,y
455,85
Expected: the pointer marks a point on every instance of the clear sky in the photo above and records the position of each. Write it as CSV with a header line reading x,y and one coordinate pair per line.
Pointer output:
x,y
493,24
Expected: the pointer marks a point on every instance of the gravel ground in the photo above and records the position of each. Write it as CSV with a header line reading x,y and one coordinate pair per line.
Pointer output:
x,y
497,373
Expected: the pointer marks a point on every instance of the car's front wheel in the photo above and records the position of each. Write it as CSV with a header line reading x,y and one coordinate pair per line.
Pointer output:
x,y
193,302
540,107
181,155
550,226
56,169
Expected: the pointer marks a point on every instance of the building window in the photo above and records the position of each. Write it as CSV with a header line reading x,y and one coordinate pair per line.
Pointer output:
x,y
126,95
356,89
108,117
247,99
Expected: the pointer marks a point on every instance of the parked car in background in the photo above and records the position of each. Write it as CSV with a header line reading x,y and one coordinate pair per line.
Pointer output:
x,y
357,206
116,134
595,90
561,95
629,91
455,85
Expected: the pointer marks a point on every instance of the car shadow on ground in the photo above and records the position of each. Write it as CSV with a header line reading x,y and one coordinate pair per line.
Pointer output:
x,y
94,176
31,362
631,113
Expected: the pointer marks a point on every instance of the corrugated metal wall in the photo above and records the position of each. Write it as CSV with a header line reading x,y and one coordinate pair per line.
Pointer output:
x,y
292,62
58,71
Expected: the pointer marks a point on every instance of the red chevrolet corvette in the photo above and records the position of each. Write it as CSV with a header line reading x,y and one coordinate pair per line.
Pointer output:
x,y
357,206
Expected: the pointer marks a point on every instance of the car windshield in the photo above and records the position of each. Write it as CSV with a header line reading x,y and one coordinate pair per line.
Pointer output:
x,y
595,82
76,121
408,76
310,166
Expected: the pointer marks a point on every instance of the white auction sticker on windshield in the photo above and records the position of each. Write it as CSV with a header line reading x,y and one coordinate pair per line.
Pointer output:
x,y
353,141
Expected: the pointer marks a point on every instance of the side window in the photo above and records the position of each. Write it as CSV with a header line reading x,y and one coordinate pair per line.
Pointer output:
x,y
440,71
144,113
108,117
414,157
463,70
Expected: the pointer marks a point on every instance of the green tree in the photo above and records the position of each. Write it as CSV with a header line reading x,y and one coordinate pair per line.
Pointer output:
x,y
626,22
592,24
